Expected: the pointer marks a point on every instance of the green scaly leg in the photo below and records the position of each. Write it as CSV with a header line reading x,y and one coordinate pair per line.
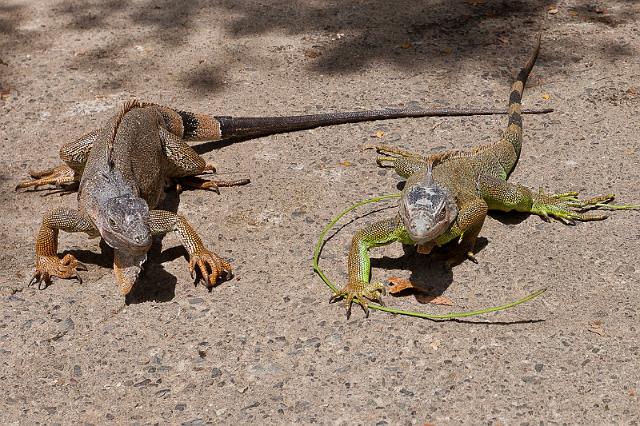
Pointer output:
x,y
358,288
565,207
568,208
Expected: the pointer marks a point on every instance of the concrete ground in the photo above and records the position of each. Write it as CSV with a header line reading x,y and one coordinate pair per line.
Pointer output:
x,y
266,347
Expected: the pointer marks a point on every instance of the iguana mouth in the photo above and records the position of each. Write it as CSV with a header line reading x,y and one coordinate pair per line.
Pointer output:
x,y
135,246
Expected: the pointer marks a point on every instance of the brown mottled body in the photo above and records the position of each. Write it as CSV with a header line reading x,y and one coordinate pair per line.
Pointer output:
x,y
122,169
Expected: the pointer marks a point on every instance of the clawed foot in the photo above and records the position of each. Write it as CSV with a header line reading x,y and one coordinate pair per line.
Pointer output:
x,y
389,155
568,208
194,182
359,292
210,267
48,267
60,176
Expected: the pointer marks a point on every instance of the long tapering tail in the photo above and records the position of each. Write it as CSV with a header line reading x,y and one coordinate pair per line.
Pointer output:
x,y
261,126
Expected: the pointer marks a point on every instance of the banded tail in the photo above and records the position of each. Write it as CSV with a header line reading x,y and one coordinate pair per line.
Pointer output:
x,y
513,134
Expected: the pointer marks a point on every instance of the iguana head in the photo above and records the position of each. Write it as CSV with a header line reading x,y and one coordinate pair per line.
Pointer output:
x,y
118,212
427,209
124,224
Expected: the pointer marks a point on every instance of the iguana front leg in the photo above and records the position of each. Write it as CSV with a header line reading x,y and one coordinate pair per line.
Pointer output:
x,y
48,264
375,235
209,264
505,196
466,227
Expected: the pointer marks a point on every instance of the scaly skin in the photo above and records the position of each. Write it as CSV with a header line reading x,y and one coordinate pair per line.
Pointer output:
x,y
191,126
447,196
121,171
129,160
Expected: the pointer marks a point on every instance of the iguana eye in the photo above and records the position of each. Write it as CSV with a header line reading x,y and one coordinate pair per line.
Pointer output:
x,y
112,222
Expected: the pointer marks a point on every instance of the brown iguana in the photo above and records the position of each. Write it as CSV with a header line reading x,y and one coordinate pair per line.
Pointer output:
x,y
121,171
447,195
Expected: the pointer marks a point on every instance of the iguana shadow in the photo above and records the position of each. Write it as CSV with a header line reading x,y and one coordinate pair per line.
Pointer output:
x,y
431,274
154,284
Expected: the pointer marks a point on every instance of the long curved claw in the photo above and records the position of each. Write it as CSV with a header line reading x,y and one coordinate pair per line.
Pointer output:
x,y
59,176
359,292
48,267
194,182
568,208
209,267
390,150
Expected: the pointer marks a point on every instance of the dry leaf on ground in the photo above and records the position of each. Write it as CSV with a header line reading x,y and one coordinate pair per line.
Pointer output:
x,y
311,53
4,93
596,328
401,284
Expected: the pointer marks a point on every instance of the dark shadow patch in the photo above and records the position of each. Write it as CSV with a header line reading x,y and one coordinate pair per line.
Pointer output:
x,y
204,80
508,218
13,38
10,18
351,35
611,14
171,21
618,49
103,259
87,15
154,284
431,274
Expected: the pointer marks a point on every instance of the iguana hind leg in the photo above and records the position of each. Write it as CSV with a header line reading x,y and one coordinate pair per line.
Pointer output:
x,y
75,155
186,164
60,176
194,182
566,207
208,264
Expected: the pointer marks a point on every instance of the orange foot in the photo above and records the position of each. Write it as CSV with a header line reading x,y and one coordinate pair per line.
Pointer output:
x,y
210,267
58,176
48,267
194,182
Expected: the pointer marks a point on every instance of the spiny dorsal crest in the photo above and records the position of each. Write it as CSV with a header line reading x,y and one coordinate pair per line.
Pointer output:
x,y
128,106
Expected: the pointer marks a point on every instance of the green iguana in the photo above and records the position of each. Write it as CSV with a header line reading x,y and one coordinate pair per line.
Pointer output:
x,y
121,171
447,195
